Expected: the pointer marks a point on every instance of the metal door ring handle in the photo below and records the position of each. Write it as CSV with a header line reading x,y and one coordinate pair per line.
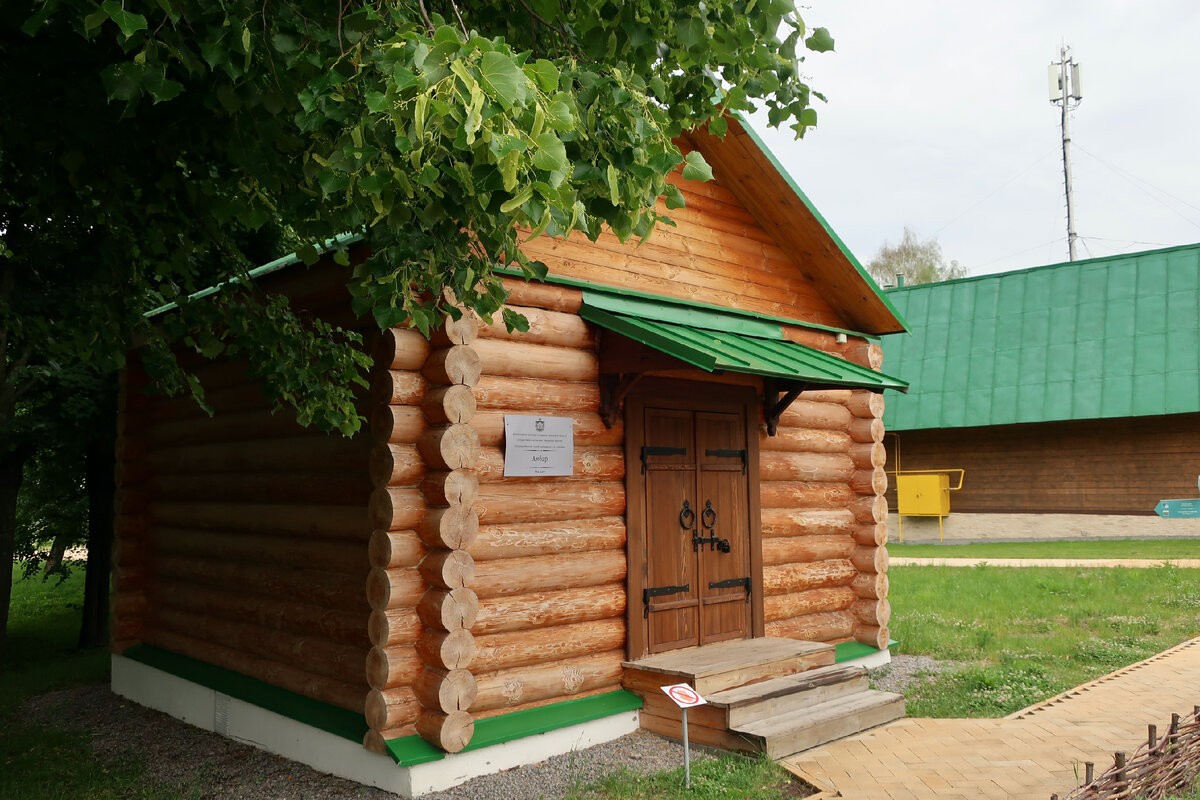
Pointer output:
x,y
708,517
687,517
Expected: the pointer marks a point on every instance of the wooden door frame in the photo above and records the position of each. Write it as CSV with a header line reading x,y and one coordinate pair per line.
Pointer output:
x,y
688,396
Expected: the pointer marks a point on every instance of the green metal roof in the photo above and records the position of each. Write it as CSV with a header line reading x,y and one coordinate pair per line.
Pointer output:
x,y
716,342
1102,338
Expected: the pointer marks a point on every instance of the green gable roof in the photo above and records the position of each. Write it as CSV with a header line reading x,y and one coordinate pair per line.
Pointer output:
x,y
1106,337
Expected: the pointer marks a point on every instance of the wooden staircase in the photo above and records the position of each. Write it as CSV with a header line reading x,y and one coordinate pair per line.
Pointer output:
x,y
777,696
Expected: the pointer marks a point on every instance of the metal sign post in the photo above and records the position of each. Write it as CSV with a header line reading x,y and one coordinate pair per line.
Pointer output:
x,y
685,697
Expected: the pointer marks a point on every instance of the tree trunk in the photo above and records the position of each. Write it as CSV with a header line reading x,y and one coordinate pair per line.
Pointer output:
x,y
100,464
12,471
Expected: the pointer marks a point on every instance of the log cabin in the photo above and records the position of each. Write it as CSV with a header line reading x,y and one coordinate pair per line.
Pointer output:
x,y
1069,393
428,601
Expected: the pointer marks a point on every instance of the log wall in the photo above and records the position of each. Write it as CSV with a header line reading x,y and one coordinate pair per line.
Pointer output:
x,y
550,556
242,537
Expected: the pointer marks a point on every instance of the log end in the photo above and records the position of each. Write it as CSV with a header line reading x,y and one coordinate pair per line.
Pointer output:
x,y
451,732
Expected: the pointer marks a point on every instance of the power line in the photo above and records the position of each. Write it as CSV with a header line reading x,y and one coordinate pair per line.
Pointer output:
x,y
1002,186
1142,185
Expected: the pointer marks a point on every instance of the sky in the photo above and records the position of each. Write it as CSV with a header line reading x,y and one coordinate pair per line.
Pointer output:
x,y
939,119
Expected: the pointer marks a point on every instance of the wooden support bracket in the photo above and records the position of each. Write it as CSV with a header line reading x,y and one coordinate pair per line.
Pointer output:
x,y
613,389
774,405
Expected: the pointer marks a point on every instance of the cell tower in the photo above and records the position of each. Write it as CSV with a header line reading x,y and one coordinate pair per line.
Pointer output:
x,y
1066,92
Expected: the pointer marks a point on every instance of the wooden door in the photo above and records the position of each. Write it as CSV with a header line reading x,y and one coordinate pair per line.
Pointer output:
x,y
694,522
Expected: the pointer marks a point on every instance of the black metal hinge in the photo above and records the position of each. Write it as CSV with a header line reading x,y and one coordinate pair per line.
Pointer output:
x,y
661,451
661,591
729,583
729,454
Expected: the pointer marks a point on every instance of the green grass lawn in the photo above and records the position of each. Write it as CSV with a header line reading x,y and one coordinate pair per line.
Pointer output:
x,y
1028,634
729,776
1154,550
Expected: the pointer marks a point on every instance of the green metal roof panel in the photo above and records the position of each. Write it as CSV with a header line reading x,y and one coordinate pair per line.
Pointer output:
x,y
713,349
1107,337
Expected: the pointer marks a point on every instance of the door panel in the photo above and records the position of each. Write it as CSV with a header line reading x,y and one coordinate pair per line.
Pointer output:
x,y
721,447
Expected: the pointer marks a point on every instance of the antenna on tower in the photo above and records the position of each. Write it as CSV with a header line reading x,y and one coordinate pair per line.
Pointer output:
x,y
1066,91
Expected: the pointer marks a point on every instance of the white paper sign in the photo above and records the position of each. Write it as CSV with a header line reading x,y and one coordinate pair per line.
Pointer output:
x,y
538,445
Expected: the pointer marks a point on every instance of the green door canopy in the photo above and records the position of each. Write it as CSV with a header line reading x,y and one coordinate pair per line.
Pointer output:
x,y
716,341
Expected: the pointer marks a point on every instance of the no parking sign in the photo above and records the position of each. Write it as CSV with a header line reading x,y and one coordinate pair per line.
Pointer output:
x,y
685,697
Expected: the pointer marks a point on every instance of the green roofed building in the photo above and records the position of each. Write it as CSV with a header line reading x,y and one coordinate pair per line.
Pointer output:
x,y
1071,389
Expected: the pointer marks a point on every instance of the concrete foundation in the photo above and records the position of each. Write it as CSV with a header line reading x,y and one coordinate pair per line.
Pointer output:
x,y
964,528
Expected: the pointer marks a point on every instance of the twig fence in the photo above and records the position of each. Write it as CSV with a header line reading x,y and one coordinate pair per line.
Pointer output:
x,y
1158,769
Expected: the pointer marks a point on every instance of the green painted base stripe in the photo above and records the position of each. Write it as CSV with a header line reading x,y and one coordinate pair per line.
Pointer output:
x,y
323,716
411,750
851,650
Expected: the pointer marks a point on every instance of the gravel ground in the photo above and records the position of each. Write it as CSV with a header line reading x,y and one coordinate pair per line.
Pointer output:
x,y
178,755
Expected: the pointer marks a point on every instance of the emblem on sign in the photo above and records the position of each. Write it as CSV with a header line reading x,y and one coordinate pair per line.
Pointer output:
x,y
684,696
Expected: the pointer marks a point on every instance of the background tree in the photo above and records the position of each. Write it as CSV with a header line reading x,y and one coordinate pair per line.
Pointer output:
x,y
149,147
914,260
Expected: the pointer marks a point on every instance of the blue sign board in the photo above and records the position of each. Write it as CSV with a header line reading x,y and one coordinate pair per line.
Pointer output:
x,y
1178,509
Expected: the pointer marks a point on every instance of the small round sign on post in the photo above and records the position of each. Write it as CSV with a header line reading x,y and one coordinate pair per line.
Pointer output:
x,y
685,697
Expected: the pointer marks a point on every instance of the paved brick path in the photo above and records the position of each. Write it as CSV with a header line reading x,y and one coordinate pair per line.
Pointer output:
x,y
1030,754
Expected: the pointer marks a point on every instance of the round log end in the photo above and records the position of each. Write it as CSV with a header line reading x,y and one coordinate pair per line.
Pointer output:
x,y
452,610
451,732
448,569
454,528
447,649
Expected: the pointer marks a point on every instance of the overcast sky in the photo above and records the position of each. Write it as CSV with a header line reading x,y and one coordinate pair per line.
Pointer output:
x,y
939,118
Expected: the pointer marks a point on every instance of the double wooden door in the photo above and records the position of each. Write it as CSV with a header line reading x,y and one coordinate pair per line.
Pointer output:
x,y
695,520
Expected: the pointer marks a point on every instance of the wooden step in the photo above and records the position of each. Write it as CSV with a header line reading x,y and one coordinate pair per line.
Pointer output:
x,y
726,665
790,733
792,694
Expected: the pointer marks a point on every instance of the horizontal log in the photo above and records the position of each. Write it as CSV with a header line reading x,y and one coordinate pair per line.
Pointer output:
x,y
448,447
449,609
453,528
234,426
806,440
549,573
447,404
495,712
866,430
400,389
806,549
394,588
331,522
447,649
589,430
497,392
869,481
552,296
871,535
396,627
822,467
393,549
450,732
286,551
230,400
447,569
547,609
391,708
316,488
129,578
813,601
872,636
445,690
777,522
130,604
313,452
804,494
793,578
461,330
402,348
869,509
454,488
866,405
807,414
342,662
391,667
376,741
504,689
866,584
285,676
823,627
395,508
875,612
866,353
598,464
515,359
545,327
838,396
459,364
517,540
549,502
547,645
870,559
317,587
868,455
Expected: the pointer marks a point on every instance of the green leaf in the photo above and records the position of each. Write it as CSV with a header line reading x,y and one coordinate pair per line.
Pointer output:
x,y
691,32
696,168
559,116
94,20
376,102
284,43
551,155
517,200
674,197
544,73
374,184
820,41
808,117
127,22
502,79
614,191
